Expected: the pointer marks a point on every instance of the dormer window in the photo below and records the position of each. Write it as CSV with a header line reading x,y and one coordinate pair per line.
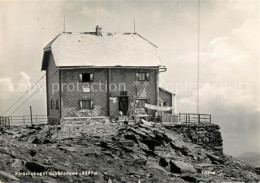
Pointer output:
x,y
86,77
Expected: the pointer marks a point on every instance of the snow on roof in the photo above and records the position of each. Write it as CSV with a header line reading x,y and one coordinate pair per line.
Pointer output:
x,y
108,50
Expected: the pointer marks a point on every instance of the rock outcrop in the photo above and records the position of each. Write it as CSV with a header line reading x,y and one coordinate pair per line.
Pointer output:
x,y
105,152
204,134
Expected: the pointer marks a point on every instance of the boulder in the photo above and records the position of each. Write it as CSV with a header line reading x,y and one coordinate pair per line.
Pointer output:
x,y
8,176
143,146
35,166
17,164
36,141
140,161
163,162
46,141
151,143
32,153
181,167
131,137
155,166
150,124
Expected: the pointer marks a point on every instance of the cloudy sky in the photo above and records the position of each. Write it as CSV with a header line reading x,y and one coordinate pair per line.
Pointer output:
x,y
229,57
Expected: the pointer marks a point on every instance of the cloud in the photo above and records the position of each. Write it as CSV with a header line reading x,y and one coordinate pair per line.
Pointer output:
x,y
25,79
229,87
9,86
234,59
96,12
218,39
6,87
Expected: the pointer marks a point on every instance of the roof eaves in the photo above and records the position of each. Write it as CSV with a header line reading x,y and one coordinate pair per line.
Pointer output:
x,y
93,66
166,91
48,46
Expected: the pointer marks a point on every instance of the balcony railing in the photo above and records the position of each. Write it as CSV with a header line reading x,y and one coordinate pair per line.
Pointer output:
x,y
194,118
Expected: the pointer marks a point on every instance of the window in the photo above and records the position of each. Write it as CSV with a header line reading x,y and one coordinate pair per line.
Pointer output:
x,y
140,103
164,103
57,105
143,76
86,77
51,106
86,104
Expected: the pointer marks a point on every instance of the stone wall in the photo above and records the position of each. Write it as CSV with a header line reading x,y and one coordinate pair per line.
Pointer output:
x,y
206,135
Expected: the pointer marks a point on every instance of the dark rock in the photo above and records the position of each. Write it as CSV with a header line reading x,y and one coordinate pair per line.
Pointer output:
x,y
36,141
152,143
257,170
131,137
35,167
163,162
34,127
150,153
181,167
159,136
32,153
104,144
46,141
189,178
140,161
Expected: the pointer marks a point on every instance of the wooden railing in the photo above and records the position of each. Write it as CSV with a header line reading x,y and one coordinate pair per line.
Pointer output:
x,y
194,118
28,120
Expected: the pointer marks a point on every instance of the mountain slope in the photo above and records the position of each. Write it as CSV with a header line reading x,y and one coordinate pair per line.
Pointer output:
x,y
252,158
114,153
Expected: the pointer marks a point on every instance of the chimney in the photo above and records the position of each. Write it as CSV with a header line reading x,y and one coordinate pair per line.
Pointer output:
x,y
98,31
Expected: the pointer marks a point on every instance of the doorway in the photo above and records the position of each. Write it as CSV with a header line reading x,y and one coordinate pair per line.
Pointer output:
x,y
123,104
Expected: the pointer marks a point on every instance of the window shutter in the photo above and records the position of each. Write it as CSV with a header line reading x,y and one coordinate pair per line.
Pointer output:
x,y
80,104
91,104
147,76
136,76
80,77
91,77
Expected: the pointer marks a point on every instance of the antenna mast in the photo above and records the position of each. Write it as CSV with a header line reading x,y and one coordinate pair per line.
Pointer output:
x,y
64,24
134,25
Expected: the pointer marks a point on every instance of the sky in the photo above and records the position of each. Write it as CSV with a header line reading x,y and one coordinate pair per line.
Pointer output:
x,y
229,53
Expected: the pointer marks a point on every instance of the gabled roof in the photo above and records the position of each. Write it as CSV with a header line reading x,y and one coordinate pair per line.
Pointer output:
x,y
108,50
166,91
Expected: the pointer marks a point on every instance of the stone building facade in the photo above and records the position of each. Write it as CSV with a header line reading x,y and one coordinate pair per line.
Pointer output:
x,y
95,74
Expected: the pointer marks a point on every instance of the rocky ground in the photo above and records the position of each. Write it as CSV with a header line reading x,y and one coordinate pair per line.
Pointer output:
x,y
108,152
